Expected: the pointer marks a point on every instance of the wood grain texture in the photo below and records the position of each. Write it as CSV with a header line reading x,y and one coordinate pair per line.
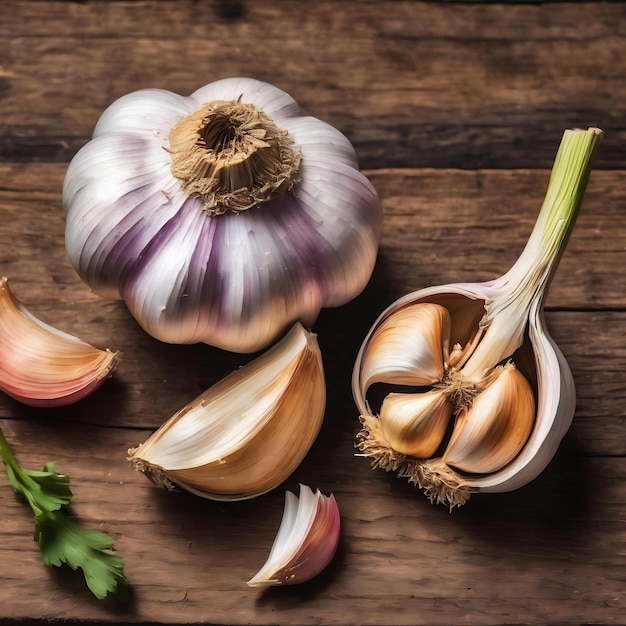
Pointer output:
x,y
437,85
401,560
456,110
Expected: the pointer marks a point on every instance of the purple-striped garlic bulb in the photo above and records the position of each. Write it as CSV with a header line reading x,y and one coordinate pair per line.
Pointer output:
x,y
222,217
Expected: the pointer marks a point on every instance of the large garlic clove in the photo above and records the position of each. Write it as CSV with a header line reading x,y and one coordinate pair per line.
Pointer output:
x,y
306,541
410,347
494,322
490,433
415,424
247,433
41,365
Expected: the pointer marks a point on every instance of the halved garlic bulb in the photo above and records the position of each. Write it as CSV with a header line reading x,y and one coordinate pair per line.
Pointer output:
x,y
223,217
505,379
246,434
41,365
306,541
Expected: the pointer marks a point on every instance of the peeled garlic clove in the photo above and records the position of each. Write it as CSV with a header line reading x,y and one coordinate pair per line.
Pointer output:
x,y
415,424
306,541
409,348
41,365
491,432
246,434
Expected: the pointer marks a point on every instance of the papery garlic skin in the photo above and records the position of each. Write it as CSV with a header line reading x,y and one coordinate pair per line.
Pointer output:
x,y
41,365
247,433
234,280
306,541
492,323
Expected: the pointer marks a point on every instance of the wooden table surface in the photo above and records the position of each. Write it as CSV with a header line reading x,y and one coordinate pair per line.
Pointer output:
x,y
456,110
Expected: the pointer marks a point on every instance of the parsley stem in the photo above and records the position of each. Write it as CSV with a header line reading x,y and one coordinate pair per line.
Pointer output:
x,y
61,539
14,471
5,451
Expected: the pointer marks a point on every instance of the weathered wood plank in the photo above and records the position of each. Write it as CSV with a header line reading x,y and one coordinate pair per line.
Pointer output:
x,y
178,19
413,84
470,87
553,551
550,552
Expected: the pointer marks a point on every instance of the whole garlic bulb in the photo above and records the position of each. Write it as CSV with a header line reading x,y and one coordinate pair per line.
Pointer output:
x,y
222,217
493,395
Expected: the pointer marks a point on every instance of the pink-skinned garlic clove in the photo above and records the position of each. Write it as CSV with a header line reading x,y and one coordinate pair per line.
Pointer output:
x,y
41,365
306,541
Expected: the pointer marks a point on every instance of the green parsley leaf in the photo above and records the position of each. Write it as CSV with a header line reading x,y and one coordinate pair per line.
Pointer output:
x,y
62,540
45,490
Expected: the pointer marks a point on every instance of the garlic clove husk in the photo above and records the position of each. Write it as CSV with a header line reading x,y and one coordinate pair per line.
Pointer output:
x,y
489,434
415,424
494,322
409,349
214,236
246,434
41,365
306,541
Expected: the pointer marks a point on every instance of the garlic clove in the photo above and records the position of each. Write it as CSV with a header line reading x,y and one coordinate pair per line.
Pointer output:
x,y
556,406
409,347
41,365
247,433
415,424
327,143
491,432
120,217
306,541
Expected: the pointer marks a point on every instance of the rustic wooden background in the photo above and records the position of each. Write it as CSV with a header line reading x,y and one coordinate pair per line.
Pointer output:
x,y
456,110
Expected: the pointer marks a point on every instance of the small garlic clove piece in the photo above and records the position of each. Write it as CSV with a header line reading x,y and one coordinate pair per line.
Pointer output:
x,y
41,365
306,541
491,432
415,423
410,347
246,434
